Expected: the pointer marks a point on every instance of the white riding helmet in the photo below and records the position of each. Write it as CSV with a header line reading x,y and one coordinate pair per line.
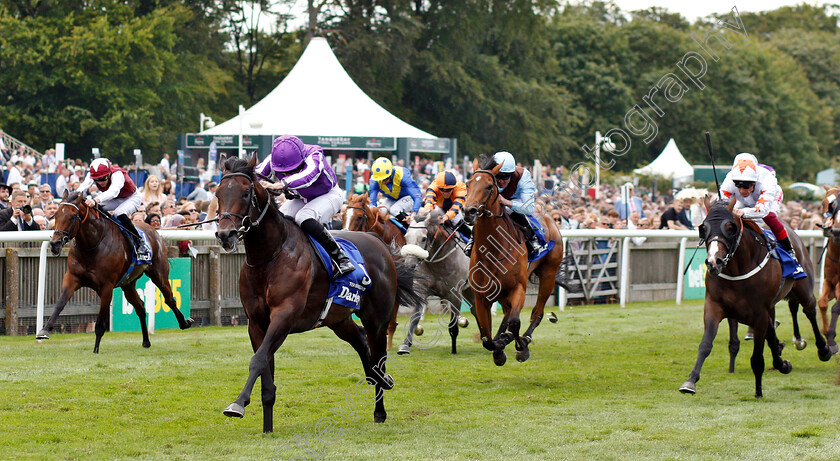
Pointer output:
x,y
506,160
745,168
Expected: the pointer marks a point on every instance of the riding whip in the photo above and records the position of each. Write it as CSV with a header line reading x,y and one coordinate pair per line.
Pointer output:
x,y
712,157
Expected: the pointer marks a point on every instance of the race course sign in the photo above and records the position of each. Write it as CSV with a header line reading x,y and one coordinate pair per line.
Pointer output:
x,y
158,314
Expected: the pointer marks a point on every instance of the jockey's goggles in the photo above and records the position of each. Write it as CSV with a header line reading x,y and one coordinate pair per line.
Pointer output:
x,y
744,184
445,189
102,179
503,176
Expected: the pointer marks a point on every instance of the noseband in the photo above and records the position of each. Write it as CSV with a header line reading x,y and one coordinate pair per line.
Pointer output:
x,y
246,223
484,209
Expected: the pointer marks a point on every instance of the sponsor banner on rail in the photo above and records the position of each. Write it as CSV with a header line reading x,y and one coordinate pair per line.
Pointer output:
x,y
695,277
123,317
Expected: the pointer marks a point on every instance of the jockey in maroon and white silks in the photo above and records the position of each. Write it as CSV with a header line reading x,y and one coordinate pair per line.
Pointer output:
x,y
117,194
303,168
758,194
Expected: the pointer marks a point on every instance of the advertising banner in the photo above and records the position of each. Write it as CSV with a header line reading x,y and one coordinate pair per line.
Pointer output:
x,y
695,277
158,315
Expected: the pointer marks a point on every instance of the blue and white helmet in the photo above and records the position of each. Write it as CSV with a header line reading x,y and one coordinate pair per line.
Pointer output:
x,y
505,159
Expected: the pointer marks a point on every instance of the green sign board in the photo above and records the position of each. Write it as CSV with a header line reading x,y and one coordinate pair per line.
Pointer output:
x,y
351,142
694,282
439,145
158,315
203,141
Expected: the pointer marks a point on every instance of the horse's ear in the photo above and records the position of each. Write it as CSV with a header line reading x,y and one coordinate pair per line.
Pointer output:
x,y
475,164
826,187
367,195
222,159
731,205
65,195
496,169
252,162
707,203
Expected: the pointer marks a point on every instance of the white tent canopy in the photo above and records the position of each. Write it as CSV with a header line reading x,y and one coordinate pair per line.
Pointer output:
x,y
670,164
318,98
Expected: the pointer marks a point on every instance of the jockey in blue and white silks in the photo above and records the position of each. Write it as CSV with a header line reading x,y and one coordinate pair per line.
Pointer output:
x,y
516,194
302,168
400,192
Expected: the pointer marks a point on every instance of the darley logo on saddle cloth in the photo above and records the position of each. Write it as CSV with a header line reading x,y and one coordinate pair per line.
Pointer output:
x,y
545,246
346,290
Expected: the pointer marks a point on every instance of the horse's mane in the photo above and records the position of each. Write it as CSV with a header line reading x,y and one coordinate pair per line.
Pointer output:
x,y
72,196
486,162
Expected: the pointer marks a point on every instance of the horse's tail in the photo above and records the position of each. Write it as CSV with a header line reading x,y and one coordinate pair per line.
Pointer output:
x,y
408,293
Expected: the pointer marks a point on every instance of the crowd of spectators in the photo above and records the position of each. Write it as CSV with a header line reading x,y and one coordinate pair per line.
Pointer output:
x,y
571,208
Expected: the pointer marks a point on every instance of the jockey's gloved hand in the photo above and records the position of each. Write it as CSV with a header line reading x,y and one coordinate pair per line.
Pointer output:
x,y
402,216
448,225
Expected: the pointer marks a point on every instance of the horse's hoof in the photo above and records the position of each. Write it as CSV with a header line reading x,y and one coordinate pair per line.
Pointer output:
x,y
825,354
688,388
748,336
190,322
235,410
499,357
523,355
43,334
552,317
418,330
147,344
463,322
404,349
786,367
800,343
379,418
834,349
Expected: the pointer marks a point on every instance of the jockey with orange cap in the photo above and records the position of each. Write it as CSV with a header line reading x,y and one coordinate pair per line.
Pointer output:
x,y
118,194
447,193
303,169
755,188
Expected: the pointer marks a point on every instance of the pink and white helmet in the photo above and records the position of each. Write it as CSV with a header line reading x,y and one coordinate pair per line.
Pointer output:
x,y
99,168
745,168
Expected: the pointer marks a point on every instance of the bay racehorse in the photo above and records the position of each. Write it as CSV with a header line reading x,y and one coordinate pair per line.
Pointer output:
x,y
100,258
743,284
499,267
360,216
831,283
442,269
283,286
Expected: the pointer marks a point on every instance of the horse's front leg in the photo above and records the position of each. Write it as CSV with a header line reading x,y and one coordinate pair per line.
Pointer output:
x,y
832,328
106,293
69,285
161,280
822,303
776,350
712,315
260,366
757,359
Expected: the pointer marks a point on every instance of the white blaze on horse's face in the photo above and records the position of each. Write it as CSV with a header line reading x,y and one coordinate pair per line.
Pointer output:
x,y
715,248
348,215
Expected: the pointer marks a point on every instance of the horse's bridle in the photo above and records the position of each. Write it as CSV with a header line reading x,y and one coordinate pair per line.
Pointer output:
x,y
364,215
428,245
76,223
730,249
484,209
245,220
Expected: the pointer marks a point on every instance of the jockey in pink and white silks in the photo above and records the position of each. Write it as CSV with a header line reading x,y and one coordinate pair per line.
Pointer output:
x,y
302,168
759,196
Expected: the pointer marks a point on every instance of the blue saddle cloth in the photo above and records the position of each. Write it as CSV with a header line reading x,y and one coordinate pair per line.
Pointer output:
x,y
790,269
545,246
346,290
135,260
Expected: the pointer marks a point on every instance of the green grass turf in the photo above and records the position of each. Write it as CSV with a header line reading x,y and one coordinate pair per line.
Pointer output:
x,y
601,384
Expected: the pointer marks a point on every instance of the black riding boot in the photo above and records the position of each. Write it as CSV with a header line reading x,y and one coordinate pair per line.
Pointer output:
x,y
787,246
319,233
139,245
471,235
531,240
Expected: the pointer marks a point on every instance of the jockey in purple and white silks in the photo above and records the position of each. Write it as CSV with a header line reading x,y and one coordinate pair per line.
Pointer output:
x,y
302,168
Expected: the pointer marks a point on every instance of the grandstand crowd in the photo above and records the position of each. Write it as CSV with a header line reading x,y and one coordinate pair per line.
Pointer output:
x,y
25,184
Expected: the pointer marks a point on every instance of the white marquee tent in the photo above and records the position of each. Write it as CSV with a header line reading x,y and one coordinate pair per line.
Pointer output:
x,y
318,98
670,164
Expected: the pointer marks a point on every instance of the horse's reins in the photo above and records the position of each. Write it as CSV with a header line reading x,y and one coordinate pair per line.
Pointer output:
x,y
66,236
432,258
245,220
731,252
